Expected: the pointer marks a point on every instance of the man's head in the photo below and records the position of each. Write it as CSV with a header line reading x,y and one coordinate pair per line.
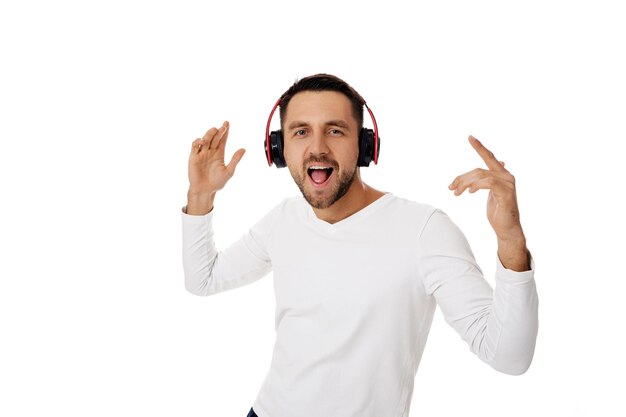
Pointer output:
x,y
323,82
321,117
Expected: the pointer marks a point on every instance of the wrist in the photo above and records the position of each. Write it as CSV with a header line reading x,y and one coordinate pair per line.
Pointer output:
x,y
514,254
199,203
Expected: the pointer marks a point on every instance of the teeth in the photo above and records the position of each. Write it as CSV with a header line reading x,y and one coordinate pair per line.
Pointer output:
x,y
318,167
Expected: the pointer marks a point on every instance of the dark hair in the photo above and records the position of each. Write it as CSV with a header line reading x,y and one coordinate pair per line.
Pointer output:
x,y
324,82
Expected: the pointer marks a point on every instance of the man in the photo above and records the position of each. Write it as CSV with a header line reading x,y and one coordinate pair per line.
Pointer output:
x,y
358,272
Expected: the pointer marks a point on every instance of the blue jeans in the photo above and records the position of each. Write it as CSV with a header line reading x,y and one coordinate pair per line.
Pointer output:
x,y
252,413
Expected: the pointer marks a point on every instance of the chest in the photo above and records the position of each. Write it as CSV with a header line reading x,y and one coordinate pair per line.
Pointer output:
x,y
344,272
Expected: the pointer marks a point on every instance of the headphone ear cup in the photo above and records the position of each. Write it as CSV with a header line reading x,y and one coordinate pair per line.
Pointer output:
x,y
276,149
366,147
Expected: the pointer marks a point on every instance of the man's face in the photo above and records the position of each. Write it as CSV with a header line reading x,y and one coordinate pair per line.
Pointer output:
x,y
321,146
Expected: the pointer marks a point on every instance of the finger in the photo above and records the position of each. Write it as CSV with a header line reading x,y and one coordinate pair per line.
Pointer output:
x,y
493,184
477,173
215,139
482,184
208,137
196,146
465,181
467,177
503,192
220,138
234,161
486,155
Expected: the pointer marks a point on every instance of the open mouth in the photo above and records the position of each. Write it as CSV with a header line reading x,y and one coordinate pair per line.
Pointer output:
x,y
319,174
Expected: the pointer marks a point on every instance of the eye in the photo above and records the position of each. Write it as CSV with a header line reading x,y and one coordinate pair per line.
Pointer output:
x,y
300,132
335,132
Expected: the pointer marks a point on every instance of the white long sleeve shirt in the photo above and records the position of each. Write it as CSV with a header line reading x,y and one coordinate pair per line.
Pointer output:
x,y
355,301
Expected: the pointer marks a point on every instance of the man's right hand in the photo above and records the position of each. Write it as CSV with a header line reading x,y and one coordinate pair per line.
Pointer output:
x,y
207,171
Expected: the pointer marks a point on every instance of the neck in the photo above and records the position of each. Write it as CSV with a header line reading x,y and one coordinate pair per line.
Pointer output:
x,y
359,196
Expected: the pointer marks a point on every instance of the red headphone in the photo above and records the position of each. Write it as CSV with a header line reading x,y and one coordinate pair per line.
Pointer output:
x,y
369,143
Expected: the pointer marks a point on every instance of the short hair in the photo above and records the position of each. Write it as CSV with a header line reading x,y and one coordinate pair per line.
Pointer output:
x,y
324,82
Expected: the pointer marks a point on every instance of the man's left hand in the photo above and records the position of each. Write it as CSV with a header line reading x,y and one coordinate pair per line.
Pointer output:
x,y
502,208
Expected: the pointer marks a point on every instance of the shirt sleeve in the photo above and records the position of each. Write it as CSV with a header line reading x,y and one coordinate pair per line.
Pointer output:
x,y
209,271
500,326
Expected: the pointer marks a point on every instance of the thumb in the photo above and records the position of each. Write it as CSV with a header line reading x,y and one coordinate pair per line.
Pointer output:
x,y
234,161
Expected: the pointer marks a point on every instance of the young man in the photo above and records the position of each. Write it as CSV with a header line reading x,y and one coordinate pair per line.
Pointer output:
x,y
358,272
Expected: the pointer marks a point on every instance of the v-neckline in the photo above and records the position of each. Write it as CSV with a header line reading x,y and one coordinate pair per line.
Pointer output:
x,y
353,218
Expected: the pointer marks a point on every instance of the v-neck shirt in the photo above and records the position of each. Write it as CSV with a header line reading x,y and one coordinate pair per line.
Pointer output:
x,y
355,301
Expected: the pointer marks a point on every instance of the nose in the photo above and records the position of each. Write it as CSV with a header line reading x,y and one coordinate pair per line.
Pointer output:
x,y
318,144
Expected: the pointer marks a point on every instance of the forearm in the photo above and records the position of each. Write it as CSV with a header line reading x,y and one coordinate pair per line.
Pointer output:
x,y
199,253
208,271
512,327
499,326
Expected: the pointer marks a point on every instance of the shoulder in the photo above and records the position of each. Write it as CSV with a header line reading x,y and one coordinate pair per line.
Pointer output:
x,y
428,217
399,216
431,225
413,209
293,203
288,207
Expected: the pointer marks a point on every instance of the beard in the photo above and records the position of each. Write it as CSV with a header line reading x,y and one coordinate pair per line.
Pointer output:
x,y
339,189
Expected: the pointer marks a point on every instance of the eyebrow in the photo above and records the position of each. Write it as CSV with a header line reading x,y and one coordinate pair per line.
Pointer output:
x,y
339,123
296,124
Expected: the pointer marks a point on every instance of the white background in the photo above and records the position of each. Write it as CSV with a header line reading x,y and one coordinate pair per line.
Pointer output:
x,y
100,101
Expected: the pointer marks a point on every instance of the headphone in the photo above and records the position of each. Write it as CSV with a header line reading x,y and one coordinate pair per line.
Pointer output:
x,y
369,143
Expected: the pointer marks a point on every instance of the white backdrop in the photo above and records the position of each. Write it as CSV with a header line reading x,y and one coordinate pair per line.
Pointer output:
x,y
99,103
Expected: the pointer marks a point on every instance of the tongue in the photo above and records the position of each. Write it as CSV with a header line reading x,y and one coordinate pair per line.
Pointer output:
x,y
319,175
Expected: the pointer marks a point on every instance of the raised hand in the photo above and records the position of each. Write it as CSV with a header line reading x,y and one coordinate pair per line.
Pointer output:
x,y
502,208
208,172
